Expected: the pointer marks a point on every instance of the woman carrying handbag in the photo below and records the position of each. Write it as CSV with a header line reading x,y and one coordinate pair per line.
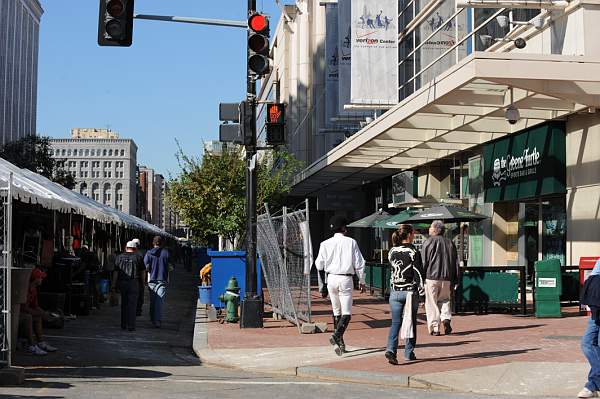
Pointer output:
x,y
406,286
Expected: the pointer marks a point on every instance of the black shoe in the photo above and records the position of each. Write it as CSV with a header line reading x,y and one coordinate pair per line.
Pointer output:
x,y
342,345
392,359
436,333
411,357
335,341
447,327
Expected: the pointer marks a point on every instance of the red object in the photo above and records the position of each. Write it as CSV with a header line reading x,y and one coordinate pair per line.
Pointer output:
x,y
258,22
37,273
586,265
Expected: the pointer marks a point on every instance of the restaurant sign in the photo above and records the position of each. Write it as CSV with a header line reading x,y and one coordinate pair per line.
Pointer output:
x,y
526,165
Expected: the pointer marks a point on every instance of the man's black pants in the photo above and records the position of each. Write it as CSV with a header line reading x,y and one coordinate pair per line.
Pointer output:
x,y
140,299
129,295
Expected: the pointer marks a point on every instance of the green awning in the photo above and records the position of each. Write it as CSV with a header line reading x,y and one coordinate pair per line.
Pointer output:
x,y
369,221
393,221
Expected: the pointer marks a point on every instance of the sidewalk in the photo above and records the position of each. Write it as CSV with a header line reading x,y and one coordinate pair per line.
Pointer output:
x,y
489,354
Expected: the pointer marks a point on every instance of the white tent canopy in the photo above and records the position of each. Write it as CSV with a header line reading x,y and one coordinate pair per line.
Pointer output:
x,y
30,187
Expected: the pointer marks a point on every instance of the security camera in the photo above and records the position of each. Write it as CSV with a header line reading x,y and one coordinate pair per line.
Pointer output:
x,y
486,40
538,22
502,21
512,114
520,43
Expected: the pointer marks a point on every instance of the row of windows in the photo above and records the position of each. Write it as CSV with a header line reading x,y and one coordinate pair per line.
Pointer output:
x,y
96,173
107,194
95,164
58,152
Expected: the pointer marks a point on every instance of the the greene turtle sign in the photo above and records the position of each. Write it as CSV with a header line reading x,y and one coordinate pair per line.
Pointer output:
x,y
526,165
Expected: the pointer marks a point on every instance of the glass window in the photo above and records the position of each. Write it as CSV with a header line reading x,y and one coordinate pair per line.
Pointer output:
x,y
122,153
110,153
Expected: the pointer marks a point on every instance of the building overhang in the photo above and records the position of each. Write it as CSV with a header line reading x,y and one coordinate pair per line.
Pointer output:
x,y
460,109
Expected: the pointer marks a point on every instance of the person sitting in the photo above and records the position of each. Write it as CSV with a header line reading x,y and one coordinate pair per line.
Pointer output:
x,y
31,317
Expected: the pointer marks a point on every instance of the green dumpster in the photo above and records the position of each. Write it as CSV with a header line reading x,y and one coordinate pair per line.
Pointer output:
x,y
548,288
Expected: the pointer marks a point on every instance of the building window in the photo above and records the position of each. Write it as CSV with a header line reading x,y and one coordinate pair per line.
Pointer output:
x,y
110,153
87,152
75,152
64,152
96,192
122,153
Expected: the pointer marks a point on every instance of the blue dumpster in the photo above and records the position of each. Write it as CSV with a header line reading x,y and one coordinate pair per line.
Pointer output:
x,y
227,264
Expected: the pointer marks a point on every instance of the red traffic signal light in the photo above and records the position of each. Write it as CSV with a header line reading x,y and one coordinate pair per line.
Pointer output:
x,y
258,45
258,23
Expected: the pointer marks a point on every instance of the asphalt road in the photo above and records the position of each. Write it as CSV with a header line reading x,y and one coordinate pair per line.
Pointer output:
x,y
194,382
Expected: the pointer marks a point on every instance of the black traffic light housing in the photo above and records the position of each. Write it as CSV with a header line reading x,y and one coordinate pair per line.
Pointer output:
x,y
115,23
275,124
258,45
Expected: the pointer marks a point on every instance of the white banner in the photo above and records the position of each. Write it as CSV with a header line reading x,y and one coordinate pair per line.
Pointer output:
x,y
331,69
307,246
344,53
374,69
445,38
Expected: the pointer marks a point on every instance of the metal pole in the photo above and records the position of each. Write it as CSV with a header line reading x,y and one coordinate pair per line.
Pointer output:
x,y
200,21
309,299
251,311
9,267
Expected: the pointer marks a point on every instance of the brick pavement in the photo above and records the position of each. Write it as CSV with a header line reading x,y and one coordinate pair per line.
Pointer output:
x,y
477,340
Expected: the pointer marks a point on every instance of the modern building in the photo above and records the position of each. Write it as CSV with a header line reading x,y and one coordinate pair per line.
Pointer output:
x,y
215,147
104,168
509,131
151,188
19,42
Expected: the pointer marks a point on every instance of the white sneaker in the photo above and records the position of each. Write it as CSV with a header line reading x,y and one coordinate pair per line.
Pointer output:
x,y
36,350
586,393
46,346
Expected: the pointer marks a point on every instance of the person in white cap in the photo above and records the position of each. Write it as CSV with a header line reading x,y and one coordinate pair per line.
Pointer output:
x,y
129,268
143,278
340,257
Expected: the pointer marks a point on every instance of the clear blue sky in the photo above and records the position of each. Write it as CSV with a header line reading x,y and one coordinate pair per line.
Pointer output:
x,y
166,86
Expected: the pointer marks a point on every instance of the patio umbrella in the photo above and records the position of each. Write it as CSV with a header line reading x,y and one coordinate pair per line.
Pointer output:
x,y
393,221
448,214
369,221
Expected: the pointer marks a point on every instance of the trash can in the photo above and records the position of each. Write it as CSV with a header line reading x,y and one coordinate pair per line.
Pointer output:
x,y
227,264
548,288
204,294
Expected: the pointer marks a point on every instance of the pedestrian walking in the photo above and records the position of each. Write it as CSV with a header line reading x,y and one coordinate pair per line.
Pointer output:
x,y
406,287
440,264
339,259
157,265
143,277
128,270
590,341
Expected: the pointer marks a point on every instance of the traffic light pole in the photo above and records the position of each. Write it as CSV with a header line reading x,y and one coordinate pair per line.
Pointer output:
x,y
251,310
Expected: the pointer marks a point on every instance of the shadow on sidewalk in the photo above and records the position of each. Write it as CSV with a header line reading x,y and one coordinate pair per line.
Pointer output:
x,y
477,355
95,372
499,328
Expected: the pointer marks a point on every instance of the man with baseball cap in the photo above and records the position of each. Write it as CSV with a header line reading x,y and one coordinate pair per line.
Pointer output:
x,y
32,316
129,268
340,258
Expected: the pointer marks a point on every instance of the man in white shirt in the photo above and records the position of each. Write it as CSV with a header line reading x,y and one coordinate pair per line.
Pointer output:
x,y
340,257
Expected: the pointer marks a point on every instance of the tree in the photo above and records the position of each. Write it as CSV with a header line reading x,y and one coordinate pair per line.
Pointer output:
x,y
33,152
210,192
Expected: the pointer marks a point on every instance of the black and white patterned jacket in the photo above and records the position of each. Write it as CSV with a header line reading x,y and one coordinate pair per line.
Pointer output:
x,y
407,269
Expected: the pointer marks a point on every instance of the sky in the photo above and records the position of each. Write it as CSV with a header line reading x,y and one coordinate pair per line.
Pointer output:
x,y
165,87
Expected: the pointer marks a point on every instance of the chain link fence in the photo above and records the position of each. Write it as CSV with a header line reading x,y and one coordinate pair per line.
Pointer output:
x,y
284,247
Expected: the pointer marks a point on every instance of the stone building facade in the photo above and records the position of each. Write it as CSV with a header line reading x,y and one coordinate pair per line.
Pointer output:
x,y
105,169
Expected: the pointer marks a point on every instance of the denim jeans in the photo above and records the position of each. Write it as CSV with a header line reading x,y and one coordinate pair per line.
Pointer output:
x,y
591,350
158,290
397,301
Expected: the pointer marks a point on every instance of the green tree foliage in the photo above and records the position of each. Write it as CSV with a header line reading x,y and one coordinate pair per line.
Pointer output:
x,y
209,193
33,152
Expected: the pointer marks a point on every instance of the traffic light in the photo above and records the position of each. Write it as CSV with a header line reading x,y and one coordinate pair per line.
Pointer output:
x,y
247,119
115,23
258,45
275,124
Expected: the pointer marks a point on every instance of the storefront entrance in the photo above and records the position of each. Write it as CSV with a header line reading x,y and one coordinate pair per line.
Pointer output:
x,y
542,231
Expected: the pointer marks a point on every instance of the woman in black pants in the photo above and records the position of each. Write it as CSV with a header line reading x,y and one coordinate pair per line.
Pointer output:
x,y
406,285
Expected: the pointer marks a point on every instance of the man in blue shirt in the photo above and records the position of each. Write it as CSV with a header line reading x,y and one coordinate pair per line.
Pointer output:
x,y
157,265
